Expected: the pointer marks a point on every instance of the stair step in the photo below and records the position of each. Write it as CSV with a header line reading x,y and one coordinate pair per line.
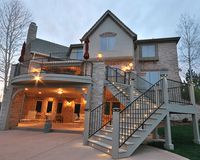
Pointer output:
x,y
110,138
104,145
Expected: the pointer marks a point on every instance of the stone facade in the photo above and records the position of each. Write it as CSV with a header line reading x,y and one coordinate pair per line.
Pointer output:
x,y
97,90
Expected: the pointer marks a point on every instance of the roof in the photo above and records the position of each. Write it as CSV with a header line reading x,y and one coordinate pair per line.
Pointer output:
x,y
108,13
159,40
49,48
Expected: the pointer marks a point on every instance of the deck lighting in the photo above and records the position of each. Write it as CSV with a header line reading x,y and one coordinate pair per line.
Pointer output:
x,y
26,89
39,92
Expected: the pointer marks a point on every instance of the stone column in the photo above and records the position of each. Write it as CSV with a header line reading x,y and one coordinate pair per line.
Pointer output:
x,y
115,133
168,138
97,96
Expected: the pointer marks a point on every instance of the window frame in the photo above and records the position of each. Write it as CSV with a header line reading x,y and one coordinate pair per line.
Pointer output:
x,y
154,58
104,38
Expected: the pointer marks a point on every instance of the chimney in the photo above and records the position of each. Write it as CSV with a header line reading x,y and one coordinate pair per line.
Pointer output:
x,y
32,31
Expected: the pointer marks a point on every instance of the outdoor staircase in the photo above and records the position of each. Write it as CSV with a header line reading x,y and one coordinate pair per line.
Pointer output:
x,y
102,140
135,122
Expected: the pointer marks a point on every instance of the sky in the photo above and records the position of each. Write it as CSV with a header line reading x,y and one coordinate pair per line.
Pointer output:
x,y
66,21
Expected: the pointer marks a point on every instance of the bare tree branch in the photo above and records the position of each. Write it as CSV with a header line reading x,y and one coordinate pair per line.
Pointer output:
x,y
14,20
189,46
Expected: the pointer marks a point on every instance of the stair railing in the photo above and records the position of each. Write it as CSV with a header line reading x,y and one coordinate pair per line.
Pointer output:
x,y
117,75
98,118
134,116
140,83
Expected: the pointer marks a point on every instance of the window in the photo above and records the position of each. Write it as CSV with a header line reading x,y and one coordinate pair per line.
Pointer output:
x,y
39,106
49,106
148,52
77,53
107,41
59,107
153,76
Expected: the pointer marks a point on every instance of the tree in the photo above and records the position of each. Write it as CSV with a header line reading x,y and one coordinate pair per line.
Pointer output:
x,y
14,20
189,31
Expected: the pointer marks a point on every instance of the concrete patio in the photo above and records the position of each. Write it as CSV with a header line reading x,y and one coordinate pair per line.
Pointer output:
x,y
33,145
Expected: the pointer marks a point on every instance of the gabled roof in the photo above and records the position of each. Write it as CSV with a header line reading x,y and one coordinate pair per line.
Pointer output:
x,y
108,13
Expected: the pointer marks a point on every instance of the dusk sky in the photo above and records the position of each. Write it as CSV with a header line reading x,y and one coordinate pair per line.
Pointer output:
x,y
65,21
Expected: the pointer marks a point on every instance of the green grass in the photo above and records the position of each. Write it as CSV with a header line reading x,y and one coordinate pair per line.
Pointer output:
x,y
182,138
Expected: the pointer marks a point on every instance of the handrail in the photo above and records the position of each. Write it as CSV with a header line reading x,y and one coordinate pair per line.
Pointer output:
x,y
115,75
96,114
141,84
178,92
139,111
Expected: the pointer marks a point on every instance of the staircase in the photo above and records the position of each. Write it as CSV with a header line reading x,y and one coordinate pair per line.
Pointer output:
x,y
128,128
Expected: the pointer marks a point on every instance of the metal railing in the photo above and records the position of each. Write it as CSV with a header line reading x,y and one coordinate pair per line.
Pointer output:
x,y
98,118
140,83
139,111
178,92
117,75
55,66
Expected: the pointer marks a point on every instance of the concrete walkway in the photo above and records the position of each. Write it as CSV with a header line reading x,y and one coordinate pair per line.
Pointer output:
x,y
29,145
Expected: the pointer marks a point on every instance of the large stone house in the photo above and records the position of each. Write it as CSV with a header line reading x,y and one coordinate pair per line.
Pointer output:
x,y
113,87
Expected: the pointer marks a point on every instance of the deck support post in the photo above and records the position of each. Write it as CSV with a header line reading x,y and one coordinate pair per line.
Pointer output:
x,y
168,138
115,133
194,116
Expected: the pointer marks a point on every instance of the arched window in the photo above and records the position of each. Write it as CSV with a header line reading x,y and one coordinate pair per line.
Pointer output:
x,y
107,41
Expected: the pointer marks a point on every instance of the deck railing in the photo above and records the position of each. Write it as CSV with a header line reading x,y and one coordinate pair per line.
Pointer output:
x,y
55,66
178,92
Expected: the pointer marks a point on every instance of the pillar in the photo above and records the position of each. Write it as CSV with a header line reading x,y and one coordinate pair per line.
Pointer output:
x,y
115,133
168,138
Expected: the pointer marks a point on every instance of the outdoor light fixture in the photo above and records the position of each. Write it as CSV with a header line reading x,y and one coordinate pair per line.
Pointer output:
x,y
60,91
26,89
37,78
99,56
83,89
39,92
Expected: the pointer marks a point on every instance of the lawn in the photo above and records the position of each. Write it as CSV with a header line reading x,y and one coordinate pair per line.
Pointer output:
x,y
182,138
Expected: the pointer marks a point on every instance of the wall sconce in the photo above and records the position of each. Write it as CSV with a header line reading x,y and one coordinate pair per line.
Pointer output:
x,y
69,103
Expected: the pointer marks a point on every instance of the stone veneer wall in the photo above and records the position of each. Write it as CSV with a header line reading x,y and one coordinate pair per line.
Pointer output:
x,y
15,109
97,89
168,61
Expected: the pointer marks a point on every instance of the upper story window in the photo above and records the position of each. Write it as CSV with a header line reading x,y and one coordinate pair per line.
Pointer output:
x,y
77,53
107,41
148,52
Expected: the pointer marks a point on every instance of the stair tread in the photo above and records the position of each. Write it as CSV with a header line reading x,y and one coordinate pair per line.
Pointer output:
x,y
110,138
107,146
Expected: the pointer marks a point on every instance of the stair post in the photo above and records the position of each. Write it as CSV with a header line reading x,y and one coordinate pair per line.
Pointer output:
x,y
168,138
87,115
86,126
194,116
132,90
115,133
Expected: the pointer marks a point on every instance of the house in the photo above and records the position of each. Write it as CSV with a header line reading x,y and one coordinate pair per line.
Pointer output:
x,y
116,88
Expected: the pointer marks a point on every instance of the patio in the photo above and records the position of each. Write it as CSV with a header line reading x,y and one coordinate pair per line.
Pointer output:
x,y
29,145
